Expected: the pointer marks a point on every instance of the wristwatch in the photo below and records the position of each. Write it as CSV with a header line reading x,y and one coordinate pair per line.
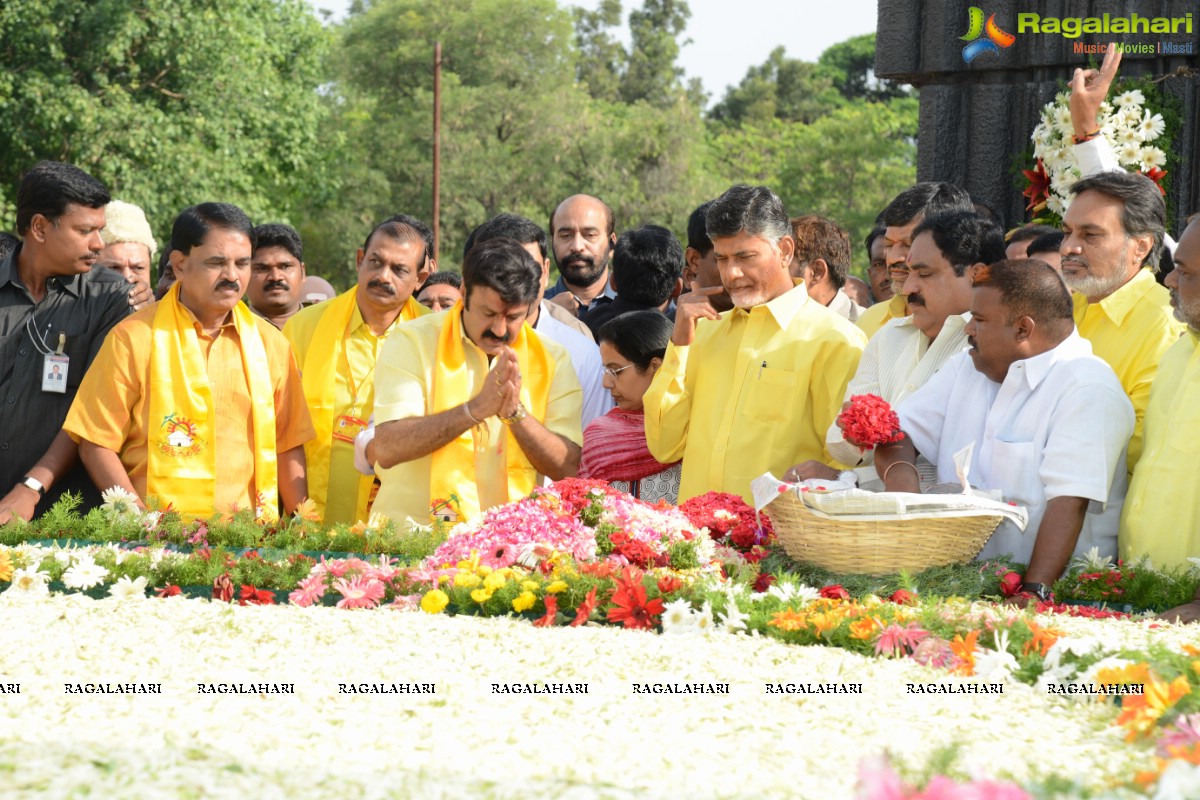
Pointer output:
x,y
1039,590
517,415
33,483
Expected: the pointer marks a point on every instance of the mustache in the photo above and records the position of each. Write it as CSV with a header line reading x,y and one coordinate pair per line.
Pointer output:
x,y
489,335
916,299
579,258
384,287
229,285
271,285
1080,260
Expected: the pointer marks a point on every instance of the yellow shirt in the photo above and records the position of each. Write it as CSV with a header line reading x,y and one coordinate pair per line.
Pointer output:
x,y
1161,518
1131,329
754,392
403,377
871,320
354,396
112,409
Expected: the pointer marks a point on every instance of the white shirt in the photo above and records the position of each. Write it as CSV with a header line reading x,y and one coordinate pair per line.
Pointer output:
x,y
898,360
1056,427
585,357
844,307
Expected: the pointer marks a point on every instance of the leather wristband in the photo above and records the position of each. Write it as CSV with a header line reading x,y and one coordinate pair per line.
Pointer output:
x,y
1087,137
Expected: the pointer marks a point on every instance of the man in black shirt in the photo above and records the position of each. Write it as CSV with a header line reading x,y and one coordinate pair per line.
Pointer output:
x,y
55,311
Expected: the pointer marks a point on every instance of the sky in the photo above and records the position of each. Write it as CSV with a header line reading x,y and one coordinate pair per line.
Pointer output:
x,y
730,36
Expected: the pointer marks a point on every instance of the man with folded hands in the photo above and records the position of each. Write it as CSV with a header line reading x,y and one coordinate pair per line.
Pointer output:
x,y
1049,422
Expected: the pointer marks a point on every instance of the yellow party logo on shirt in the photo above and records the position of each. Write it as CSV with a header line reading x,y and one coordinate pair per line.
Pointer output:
x,y
182,440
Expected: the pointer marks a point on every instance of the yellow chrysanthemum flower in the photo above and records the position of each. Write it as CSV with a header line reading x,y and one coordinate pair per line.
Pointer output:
x,y
556,587
466,580
494,581
481,596
524,601
529,586
434,601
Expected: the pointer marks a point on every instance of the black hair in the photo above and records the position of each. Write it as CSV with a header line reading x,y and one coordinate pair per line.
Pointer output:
x,y
876,232
403,228
193,224
964,238
50,187
638,336
987,211
1046,243
1144,210
503,266
1029,288
697,233
1027,233
164,258
924,199
278,235
647,263
443,276
755,210
8,243
509,226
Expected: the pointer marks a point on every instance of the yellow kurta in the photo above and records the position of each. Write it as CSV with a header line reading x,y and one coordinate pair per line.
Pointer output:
x,y
1161,518
880,314
754,392
1131,329
345,498
404,376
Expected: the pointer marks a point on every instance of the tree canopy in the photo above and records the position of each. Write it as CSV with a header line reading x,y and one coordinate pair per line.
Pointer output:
x,y
329,127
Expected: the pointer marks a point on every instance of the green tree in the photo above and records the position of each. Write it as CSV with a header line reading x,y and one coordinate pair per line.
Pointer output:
x,y
780,88
847,165
170,102
601,57
851,65
519,131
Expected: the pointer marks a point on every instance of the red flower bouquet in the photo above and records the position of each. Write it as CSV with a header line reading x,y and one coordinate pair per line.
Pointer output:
x,y
731,522
869,421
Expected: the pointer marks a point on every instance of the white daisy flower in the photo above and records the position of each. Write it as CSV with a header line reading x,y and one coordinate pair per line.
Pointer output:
x,y
85,573
677,617
1151,157
703,619
126,589
119,504
28,581
1134,97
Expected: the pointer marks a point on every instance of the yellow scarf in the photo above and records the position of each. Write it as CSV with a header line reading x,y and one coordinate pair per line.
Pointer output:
x,y
453,468
181,454
319,374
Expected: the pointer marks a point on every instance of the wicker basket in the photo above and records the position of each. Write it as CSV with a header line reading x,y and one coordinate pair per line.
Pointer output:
x,y
881,545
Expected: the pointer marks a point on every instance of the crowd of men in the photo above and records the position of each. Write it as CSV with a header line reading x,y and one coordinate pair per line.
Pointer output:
x,y
1056,355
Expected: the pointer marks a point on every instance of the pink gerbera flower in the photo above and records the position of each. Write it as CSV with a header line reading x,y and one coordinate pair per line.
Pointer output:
x,y
359,592
309,590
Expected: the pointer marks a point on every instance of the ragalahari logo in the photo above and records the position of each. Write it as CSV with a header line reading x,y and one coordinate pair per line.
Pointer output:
x,y
994,37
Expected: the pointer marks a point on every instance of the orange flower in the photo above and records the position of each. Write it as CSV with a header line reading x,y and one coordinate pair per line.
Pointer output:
x,y
824,622
1141,712
306,510
790,620
1133,673
964,650
1043,639
864,629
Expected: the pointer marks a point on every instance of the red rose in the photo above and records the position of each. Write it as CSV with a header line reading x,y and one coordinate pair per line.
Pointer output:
x,y
763,582
902,597
1010,584
835,592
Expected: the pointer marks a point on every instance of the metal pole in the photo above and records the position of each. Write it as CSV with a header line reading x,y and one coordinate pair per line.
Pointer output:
x,y
437,146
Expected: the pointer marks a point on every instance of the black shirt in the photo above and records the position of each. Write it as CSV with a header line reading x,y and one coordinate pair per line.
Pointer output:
x,y
83,308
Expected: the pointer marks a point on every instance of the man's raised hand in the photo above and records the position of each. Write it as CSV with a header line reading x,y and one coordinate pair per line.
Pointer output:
x,y
693,306
1089,87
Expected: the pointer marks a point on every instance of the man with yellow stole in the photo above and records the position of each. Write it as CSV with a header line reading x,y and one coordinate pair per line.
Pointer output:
x,y
195,400
337,344
470,401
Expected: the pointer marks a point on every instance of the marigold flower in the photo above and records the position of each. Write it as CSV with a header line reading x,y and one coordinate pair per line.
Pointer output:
x,y
434,601
524,601
554,587
482,595
466,580
529,586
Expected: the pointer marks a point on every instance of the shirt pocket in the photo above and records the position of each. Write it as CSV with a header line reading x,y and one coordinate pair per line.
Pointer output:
x,y
771,393
1014,471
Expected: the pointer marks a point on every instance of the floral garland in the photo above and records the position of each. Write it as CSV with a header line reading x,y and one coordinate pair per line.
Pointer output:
x,y
1130,129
